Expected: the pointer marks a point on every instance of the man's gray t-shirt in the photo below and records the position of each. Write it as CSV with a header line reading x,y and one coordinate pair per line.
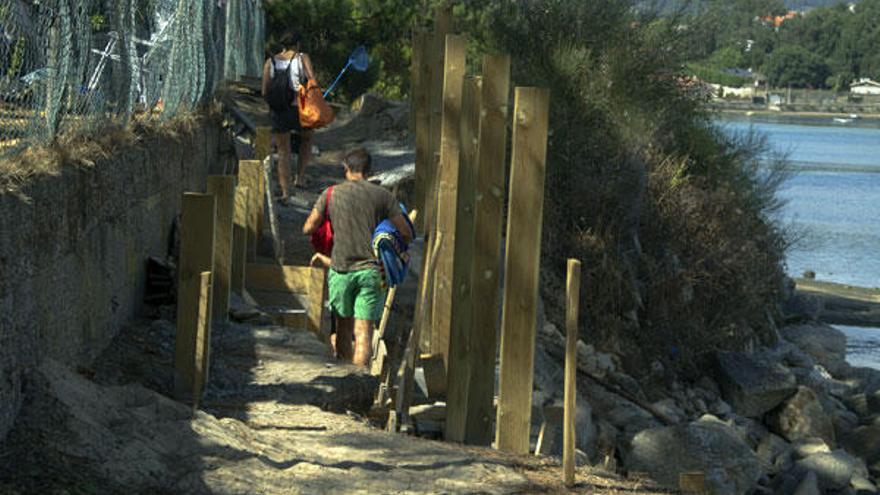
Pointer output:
x,y
356,209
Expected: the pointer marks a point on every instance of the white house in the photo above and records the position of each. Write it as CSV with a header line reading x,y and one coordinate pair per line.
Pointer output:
x,y
864,87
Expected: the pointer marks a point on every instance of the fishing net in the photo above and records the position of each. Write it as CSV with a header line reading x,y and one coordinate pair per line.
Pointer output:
x,y
74,63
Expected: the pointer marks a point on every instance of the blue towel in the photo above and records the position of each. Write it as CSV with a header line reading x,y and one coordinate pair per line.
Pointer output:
x,y
390,248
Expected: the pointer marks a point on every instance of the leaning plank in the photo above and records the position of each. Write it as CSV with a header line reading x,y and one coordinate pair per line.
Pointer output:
x,y
196,257
521,269
316,298
275,231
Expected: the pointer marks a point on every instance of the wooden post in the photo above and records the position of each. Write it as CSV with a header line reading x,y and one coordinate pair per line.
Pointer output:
x,y
572,294
460,358
250,175
262,143
453,79
521,268
420,91
317,284
239,239
203,332
692,482
196,257
488,217
223,189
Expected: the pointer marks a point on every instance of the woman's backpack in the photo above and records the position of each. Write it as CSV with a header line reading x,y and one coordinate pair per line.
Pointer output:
x,y
280,96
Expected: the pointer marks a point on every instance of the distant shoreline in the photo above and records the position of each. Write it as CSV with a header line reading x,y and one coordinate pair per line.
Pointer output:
x,y
830,115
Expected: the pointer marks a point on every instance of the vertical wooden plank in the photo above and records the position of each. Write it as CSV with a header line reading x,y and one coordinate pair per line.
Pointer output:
x,y
453,79
223,189
317,284
196,257
488,218
435,63
262,143
460,346
239,239
521,268
420,94
202,359
250,175
572,295
262,149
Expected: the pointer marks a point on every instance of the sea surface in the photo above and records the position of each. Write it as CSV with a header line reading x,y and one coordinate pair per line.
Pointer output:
x,y
832,204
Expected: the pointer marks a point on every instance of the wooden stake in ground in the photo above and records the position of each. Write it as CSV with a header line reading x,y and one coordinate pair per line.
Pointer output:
x,y
223,189
488,217
447,193
572,295
239,239
250,175
196,257
202,337
521,268
460,356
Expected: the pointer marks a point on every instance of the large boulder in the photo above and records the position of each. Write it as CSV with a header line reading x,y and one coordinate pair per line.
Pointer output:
x,y
706,445
802,307
835,469
824,343
802,417
864,442
752,385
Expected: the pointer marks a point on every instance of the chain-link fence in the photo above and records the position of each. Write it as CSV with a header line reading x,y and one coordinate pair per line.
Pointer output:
x,y
68,63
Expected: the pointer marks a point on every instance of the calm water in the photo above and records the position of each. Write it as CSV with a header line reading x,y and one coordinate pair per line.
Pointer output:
x,y
833,204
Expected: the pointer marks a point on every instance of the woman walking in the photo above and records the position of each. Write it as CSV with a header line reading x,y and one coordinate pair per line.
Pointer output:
x,y
283,74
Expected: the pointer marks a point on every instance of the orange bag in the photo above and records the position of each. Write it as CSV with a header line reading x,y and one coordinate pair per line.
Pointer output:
x,y
314,111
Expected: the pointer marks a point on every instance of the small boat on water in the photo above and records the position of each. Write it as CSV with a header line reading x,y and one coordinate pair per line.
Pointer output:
x,y
854,116
841,120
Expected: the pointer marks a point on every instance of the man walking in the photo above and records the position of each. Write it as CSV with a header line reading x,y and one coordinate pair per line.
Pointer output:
x,y
354,282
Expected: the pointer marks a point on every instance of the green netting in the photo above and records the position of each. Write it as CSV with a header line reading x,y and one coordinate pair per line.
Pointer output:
x,y
74,63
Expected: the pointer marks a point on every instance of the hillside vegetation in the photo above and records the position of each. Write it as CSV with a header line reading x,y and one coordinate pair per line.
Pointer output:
x,y
668,215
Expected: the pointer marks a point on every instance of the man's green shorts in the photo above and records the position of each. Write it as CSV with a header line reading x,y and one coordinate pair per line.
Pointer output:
x,y
357,294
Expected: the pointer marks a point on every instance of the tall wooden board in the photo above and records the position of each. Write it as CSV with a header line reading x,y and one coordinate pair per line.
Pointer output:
x,y
453,78
488,218
460,346
196,257
239,239
521,268
223,189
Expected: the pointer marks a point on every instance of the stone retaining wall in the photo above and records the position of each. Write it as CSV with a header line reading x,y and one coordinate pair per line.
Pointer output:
x,y
73,251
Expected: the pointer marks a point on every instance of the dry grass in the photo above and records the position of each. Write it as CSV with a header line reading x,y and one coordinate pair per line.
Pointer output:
x,y
86,146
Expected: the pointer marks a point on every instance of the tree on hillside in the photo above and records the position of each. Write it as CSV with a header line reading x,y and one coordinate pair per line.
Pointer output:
x,y
795,66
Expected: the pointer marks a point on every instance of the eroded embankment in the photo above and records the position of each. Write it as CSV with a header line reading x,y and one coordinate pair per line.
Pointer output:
x,y
75,237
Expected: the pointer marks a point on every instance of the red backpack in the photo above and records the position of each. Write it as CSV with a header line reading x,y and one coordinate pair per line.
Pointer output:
x,y
322,239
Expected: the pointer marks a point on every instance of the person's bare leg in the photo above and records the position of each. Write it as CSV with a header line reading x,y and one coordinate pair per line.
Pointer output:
x,y
363,342
305,156
344,333
283,142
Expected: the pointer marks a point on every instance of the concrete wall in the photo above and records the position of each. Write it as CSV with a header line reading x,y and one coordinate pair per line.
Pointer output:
x,y
73,254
